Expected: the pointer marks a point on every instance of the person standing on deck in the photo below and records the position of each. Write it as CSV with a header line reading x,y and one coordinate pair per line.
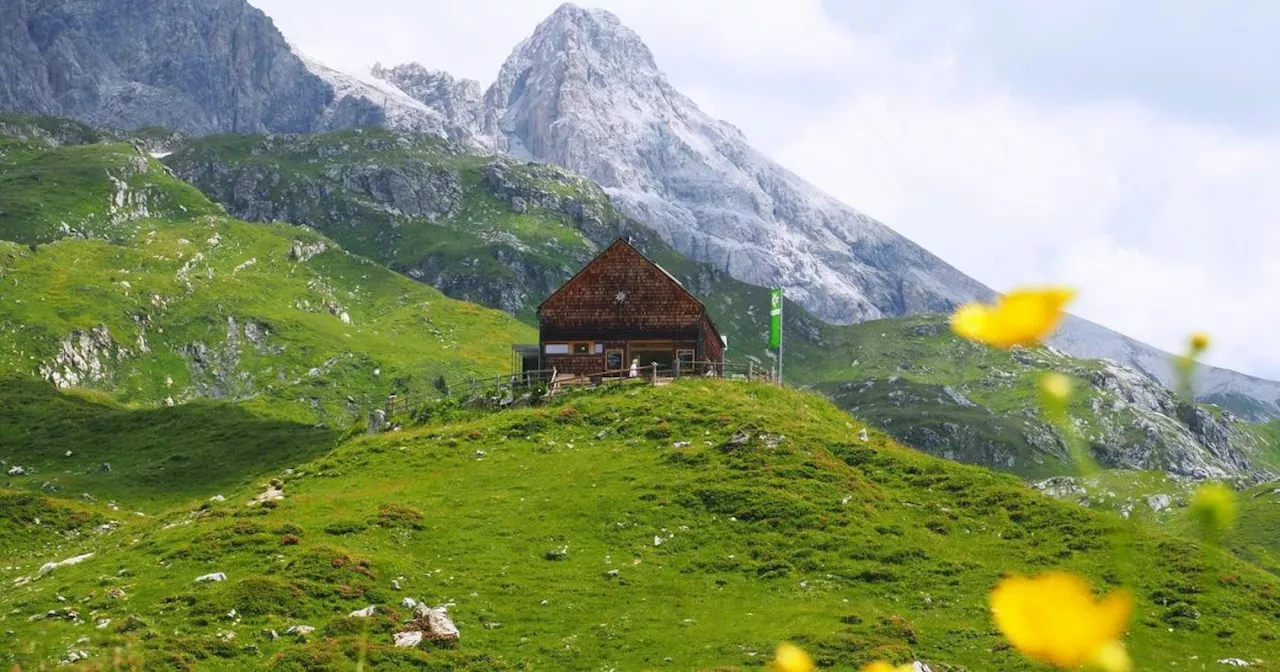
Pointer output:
x,y
635,367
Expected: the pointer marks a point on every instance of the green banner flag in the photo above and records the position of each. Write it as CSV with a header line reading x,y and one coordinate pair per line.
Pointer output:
x,y
775,318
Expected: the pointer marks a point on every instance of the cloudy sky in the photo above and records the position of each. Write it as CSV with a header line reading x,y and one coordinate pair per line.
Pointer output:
x,y
1130,148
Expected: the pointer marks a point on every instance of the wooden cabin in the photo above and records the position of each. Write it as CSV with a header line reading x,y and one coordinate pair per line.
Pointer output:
x,y
619,308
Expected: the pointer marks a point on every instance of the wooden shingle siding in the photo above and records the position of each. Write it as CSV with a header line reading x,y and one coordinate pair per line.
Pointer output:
x,y
623,293
624,302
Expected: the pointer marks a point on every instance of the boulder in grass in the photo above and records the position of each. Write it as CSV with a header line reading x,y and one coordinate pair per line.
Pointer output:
x,y
408,639
435,623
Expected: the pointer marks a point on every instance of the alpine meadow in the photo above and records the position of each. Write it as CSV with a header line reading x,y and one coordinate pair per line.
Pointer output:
x,y
304,368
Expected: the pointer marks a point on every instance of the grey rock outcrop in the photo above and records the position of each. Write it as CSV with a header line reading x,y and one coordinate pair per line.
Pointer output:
x,y
198,65
202,66
1152,430
84,357
460,101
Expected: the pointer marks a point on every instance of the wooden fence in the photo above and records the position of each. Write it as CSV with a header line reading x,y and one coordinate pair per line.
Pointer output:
x,y
515,389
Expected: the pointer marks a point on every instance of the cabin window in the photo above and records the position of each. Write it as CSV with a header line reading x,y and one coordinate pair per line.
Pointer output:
x,y
581,348
557,348
685,355
613,360
599,349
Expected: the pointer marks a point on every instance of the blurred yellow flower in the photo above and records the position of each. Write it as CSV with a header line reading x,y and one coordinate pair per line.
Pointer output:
x,y
1214,507
1113,658
1056,387
791,658
1054,618
1021,317
1199,342
881,666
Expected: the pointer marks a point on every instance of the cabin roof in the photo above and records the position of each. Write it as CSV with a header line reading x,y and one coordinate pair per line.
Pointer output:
x,y
624,243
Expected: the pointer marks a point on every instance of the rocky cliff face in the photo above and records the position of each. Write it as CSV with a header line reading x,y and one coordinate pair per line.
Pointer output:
x,y
459,101
203,66
584,92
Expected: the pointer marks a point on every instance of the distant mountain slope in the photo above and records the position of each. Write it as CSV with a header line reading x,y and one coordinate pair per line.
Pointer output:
x,y
929,389
119,277
202,66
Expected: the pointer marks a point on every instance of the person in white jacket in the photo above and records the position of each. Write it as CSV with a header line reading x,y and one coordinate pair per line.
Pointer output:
x,y
635,367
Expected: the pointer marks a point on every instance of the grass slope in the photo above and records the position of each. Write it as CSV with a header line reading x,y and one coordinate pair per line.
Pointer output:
x,y
83,445
685,527
932,390
1255,537
165,300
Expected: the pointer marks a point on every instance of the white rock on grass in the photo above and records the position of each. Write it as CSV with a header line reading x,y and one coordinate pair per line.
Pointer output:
x,y
1159,503
364,613
408,639
50,566
216,576
303,630
1235,662
436,623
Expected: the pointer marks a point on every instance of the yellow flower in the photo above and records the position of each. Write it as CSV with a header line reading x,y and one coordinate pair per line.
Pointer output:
x,y
1055,387
1021,317
881,666
1054,618
1199,342
1214,506
791,658
1113,658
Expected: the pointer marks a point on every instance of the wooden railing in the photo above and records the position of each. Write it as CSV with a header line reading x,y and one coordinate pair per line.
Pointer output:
x,y
531,386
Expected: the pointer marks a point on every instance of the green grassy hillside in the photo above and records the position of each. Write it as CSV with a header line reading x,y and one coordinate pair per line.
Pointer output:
x,y
1257,534
160,299
686,527
976,404
83,445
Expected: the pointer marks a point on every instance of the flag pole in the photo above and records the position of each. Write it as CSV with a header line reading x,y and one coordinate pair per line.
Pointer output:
x,y
775,325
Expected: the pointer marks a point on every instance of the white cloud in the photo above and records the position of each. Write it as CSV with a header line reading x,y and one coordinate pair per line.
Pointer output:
x,y
1165,226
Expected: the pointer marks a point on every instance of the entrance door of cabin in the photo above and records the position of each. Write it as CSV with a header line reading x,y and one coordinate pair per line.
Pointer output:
x,y
648,353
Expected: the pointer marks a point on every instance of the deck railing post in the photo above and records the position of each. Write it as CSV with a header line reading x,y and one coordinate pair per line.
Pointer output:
x,y
654,377
751,370
391,404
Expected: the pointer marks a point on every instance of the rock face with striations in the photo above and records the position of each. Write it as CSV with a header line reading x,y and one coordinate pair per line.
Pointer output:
x,y
584,92
202,66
